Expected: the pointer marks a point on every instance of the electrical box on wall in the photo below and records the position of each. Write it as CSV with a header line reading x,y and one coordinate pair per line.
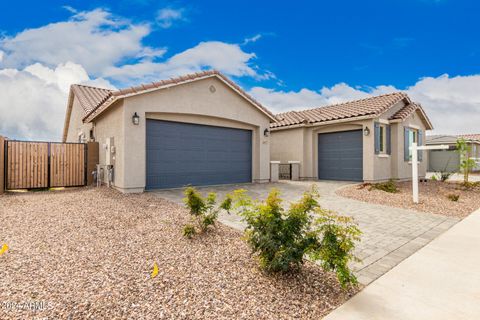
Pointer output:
x,y
109,151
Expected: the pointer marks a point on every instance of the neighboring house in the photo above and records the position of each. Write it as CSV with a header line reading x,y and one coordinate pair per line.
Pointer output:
x,y
363,140
449,160
200,129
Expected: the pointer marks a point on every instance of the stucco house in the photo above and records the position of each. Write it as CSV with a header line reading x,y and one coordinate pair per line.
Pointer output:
x,y
199,129
363,140
449,160
203,129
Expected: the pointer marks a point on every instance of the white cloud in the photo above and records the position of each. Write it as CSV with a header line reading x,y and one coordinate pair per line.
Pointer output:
x,y
255,38
38,65
226,57
93,39
34,99
167,16
452,103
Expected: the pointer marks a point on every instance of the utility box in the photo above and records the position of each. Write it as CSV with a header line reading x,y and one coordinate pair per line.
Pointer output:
x,y
109,147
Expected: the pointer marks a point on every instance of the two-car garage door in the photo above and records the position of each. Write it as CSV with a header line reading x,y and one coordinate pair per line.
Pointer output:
x,y
180,154
340,156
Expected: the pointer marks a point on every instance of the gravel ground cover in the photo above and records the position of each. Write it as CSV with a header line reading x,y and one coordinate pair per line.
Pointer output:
x,y
88,254
433,196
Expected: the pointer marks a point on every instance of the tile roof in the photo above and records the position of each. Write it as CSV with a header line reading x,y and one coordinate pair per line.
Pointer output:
x,y
108,99
441,139
404,112
472,136
369,107
90,97
449,139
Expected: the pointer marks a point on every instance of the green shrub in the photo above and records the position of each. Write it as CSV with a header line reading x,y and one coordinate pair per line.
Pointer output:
x,y
453,197
281,239
203,210
434,177
390,186
338,242
189,231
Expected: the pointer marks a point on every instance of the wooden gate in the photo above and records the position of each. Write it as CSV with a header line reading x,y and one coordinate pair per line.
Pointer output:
x,y
31,165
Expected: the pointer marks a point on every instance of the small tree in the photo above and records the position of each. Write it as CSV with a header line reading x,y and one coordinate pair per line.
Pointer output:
x,y
203,210
281,239
466,163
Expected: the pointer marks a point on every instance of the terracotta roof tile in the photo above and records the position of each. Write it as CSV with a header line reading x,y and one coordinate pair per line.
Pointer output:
x,y
372,106
90,97
472,136
406,111
164,83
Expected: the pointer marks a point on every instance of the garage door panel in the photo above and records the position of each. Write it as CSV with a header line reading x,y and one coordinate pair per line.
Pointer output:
x,y
340,156
180,154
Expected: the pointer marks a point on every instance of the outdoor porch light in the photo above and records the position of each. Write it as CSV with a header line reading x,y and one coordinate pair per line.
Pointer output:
x,y
366,131
135,119
266,132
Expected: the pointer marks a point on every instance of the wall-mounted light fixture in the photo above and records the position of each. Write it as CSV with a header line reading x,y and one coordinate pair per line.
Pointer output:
x,y
266,132
366,131
136,119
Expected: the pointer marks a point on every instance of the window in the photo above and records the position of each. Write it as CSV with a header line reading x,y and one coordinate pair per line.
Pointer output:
x,y
383,138
412,137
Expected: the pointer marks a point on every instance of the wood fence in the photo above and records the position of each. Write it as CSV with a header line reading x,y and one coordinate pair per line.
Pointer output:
x,y
31,165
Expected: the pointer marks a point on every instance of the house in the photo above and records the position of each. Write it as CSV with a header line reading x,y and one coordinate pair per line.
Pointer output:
x,y
199,129
449,160
363,140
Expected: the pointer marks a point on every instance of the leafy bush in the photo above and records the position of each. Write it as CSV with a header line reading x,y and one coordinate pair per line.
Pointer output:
x,y
281,239
453,197
203,210
390,186
466,163
434,177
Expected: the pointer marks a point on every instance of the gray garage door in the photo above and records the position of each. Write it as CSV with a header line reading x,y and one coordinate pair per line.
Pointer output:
x,y
340,156
443,160
180,154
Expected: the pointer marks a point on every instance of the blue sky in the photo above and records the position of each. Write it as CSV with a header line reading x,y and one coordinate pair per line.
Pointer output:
x,y
289,56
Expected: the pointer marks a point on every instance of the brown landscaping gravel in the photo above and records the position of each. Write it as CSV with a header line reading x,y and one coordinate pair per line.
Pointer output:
x,y
88,254
433,196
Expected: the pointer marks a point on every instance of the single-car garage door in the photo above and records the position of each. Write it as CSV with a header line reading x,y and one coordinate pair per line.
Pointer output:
x,y
340,156
180,154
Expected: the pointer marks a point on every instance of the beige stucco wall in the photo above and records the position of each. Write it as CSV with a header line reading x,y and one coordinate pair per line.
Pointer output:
x,y
192,102
111,124
403,169
301,144
76,126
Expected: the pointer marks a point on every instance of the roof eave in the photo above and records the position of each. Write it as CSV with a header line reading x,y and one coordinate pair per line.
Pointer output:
x,y
92,115
68,114
323,123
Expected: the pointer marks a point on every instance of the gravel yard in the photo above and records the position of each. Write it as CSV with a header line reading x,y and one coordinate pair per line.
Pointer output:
x,y
88,253
433,197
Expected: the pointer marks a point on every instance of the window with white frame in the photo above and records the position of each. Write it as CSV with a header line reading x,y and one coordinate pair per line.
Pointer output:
x,y
412,137
383,138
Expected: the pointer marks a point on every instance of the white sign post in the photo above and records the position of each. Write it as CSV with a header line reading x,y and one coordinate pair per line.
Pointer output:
x,y
415,150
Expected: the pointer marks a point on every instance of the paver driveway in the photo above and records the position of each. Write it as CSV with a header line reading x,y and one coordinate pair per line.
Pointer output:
x,y
389,234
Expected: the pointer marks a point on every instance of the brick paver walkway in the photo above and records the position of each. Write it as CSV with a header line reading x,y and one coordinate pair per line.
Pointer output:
x,y
389,234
